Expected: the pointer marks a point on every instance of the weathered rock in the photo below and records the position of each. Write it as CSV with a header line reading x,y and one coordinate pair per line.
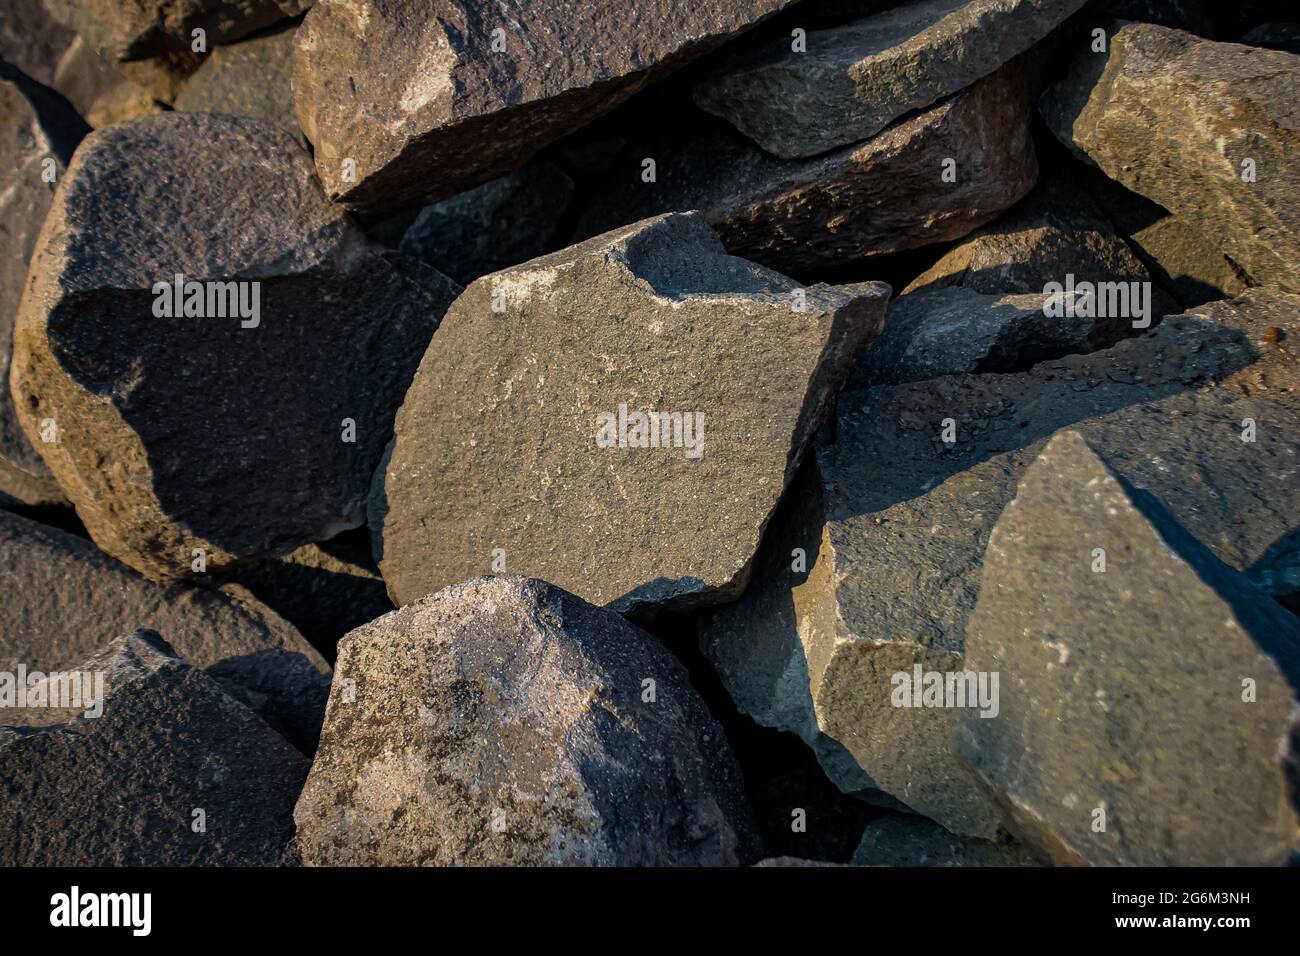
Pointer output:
x,y
1208,130
896,520
38,132
494,226
64,599
32,40
503,460
241,435
854,80
121,104
418,96
83,76
884,195
1149,715
906,840
170,749
249,78
164,76
133,29
1274,36
504,721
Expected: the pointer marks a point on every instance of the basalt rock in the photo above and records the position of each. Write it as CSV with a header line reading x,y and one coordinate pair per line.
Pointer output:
x,y
505,721
240,411
583,417
250,78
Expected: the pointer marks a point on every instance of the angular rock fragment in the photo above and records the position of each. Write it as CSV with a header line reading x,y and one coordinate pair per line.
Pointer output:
x,y
133,29
906,840
38,132
249,78
32,40
172,772
83,76
121,104
504,721
64,599
1208,130
494,226
431,99
583,418
883,195
894,528
1149,712
853,80
240,409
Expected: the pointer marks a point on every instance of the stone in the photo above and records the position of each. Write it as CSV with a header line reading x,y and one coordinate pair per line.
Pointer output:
x,y
250,78
1274,36
907,840
121,104
505,721
789,861
164,76
494,226
173,772
83,76
247,433
133,30
854,80
64,599
1149,715
893,522
38,132
431,99
525,443
1218,151
884,195
32,40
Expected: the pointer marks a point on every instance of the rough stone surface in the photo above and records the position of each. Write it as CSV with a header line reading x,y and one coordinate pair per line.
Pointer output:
x,y
854,80
1126,689
121,104
38,132
895,522
177,434
504,721
496,455
884,195
32,40
1174,117
414,92
64,599
82,75
249,78
133,29
164,76
121,789
905,840
491,227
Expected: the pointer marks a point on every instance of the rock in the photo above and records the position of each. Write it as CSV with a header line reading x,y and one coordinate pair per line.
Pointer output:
x,y
494,226
894,527
431,99
164,76
241,436
249,78
38,132
121,104
1218,150
504,721
131,786
64,599
1096,756
907,840
1274,36
132,29
854,80
884,195
1187,15
83,76
32,40
509,453
787,861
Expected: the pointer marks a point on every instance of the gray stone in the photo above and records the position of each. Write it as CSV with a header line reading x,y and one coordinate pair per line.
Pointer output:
x,y
906,840
894,523
228,435
83,76
249,78
496,463
1274,36
793,861
32,40
416,94
125,788
494,226
854,80
884,195
64,599
1178,119
505,721
1149,713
